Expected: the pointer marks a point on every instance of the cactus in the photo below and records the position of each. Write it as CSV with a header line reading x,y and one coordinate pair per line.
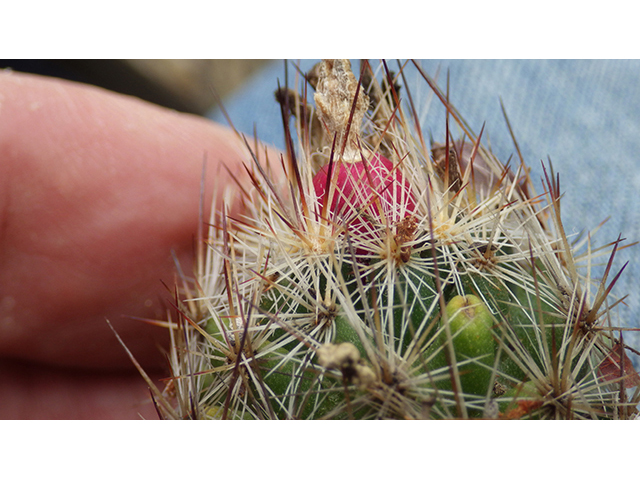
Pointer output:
x,y
386,278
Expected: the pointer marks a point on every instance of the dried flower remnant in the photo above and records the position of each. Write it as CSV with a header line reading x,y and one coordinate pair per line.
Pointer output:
x,y
346,358
339,109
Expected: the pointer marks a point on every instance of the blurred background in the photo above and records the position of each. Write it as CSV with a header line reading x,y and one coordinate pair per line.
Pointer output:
x,y
183,85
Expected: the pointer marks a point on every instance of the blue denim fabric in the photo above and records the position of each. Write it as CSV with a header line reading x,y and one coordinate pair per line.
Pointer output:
x,y
582,114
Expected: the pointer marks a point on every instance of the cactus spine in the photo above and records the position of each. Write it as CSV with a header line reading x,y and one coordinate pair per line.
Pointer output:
x,y
384,278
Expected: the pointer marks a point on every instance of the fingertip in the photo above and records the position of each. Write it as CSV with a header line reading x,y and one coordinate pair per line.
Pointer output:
x,y
99,190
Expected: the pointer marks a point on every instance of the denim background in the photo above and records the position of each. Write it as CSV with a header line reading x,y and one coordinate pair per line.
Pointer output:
x,y
582,114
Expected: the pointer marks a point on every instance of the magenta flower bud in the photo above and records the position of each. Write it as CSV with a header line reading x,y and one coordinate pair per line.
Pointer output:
x,y
366,195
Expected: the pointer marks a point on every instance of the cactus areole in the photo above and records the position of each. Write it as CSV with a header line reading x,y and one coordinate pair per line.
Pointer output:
x,y
366,195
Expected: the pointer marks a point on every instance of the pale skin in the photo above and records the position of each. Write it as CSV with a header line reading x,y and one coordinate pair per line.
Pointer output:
x,y
96,191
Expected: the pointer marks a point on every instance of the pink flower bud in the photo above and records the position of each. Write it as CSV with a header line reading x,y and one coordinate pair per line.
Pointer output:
x,y
366,195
